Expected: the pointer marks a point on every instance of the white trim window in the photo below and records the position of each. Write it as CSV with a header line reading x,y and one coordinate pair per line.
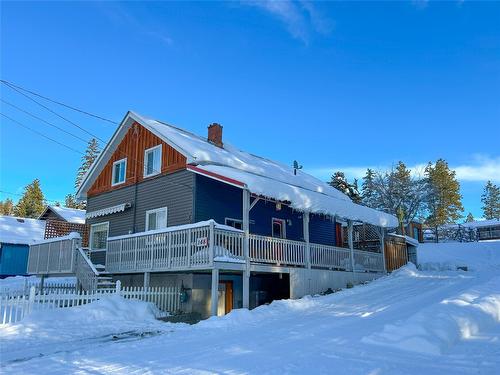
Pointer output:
x,y
152,161
156,219
119,174
235,223
99,236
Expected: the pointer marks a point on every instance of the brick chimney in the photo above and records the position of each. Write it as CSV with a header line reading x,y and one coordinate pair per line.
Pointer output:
x,y
215,134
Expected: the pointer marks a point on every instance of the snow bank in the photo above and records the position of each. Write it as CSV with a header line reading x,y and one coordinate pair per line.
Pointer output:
x,y
450,255
14,284
438,327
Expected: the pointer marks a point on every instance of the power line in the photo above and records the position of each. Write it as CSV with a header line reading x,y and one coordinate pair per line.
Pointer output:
x,y
53,112
57,102
21,195
40,134
44,121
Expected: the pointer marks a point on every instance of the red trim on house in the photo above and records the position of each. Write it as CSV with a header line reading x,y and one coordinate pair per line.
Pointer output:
x,y
215,176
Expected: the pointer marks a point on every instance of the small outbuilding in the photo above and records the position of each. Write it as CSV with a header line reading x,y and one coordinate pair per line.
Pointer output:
x,y
16,234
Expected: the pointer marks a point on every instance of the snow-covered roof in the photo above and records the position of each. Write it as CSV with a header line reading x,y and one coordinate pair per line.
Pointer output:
x,y
259,175
21,231
482,223
408,239
71,215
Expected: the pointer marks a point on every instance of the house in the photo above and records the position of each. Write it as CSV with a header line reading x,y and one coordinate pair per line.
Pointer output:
x,y
16,234
61,221
167,207
484,229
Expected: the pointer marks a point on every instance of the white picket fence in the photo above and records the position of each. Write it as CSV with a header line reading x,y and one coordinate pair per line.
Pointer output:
x,y
15,306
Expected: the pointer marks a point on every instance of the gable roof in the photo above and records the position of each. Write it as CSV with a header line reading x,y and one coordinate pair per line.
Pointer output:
x,y
71,215
259,175
20,230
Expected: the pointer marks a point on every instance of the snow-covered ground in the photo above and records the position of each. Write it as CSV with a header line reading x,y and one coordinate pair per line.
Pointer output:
x,y
438,321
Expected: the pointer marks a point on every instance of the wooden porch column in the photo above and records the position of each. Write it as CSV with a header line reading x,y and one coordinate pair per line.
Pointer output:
x,y
246,247
350,242
147,278
305,223
214,300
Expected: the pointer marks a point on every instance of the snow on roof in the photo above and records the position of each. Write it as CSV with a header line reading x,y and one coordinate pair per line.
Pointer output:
x,y
71,215
266,177
408,239
261,176
21,231
482,223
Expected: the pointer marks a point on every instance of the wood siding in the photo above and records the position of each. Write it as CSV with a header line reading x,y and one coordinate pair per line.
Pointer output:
x,y
136,141
174,191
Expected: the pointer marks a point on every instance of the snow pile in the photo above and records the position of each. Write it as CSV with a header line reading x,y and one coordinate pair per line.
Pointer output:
x,y
103,318
436,328
21,231
450,255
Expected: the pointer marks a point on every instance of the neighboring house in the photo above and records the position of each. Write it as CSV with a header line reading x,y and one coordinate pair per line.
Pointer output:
x,y
167,207
16,234
414,229
62,220
479,230
485,229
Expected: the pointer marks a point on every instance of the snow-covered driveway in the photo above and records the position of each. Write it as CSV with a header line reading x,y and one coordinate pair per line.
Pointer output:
x,y
438,322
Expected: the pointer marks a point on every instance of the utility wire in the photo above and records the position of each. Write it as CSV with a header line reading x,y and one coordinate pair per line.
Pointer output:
x,y
44,121
57,102
20,195
40,134
53,112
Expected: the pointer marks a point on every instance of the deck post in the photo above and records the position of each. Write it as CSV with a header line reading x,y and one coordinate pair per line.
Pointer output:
x,y
147,278
382,247
350,242
305,223
246,247
214,300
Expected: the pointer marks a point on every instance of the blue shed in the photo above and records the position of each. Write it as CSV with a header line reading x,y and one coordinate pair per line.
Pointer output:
x,y
16,234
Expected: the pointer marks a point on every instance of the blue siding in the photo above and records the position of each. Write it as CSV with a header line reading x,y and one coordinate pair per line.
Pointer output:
x,y
13,259
216,200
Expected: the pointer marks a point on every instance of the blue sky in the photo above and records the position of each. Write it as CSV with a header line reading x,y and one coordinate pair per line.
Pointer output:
x,y
334,85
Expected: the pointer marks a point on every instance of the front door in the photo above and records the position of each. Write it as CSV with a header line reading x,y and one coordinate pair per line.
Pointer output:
x,y
225,297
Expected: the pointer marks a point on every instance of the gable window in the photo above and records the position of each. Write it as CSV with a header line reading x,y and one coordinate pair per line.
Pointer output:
x,y
156,219
99,236
152,161
119,172
235,223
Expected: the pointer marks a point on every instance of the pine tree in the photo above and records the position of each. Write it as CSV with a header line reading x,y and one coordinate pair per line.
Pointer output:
x,y
90,155
7,207
32,202
444,202
470,218
70,202
354,192
339,182
369,195
491,201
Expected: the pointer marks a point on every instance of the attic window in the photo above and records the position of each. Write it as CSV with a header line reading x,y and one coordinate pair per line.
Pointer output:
x,y
119,172
152,161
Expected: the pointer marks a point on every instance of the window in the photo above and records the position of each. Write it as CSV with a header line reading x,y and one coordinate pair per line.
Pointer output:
x,y
152,161
119,172
156,219
99,236
279,228
235,223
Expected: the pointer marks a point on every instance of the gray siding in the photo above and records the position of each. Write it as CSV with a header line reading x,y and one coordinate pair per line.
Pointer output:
x,y
174,191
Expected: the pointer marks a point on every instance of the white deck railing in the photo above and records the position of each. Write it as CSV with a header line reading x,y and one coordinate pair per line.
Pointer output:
x,y
198,246
53,256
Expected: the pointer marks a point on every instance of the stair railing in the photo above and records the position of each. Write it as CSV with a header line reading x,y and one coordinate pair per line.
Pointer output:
x,y
86,274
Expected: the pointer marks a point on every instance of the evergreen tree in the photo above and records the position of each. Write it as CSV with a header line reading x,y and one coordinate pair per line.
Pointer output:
x,y
444,202
339,182
491,201
90,155
7,207
70,202
470,218
369,196
32,202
